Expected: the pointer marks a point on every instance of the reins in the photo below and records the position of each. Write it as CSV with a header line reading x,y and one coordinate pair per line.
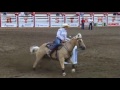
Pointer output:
x,y
69,51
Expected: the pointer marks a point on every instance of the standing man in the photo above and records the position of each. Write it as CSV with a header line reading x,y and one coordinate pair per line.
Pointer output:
x,y
90,23
82,21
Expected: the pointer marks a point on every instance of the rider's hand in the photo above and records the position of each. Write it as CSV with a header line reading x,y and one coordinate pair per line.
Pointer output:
x,y
63,41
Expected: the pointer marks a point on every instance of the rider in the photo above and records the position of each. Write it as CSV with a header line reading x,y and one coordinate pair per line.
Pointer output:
x,y
61,37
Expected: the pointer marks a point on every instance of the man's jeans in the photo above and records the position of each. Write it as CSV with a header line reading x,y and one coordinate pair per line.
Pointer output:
x,y
82,25
90,26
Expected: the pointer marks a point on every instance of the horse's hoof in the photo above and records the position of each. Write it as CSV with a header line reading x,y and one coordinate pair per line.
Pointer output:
x,y
64,74
73,70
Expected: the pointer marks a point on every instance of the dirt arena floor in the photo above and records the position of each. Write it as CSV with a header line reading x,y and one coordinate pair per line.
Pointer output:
x,y
101,59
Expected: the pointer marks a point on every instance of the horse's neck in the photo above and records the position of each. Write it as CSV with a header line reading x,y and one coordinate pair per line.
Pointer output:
x,y
72,44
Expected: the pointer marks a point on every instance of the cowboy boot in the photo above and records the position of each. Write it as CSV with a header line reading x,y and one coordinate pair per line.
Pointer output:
x,y
51,52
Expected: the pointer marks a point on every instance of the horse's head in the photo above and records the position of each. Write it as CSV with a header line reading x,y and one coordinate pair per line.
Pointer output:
x,y
80,42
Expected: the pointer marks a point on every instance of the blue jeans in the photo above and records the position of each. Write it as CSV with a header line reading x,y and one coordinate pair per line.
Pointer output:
x,y
57,42
90,26
82,25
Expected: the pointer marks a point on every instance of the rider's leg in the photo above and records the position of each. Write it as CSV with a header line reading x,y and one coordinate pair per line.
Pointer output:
x,y
56,43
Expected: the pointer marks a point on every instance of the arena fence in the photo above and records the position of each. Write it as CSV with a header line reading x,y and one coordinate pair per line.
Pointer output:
x,y
51,20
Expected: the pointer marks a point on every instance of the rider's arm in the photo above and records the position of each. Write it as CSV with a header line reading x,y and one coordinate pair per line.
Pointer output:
x,y
59,34
67,39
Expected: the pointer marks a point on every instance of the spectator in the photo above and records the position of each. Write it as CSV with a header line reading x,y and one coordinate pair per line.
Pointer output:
x,y
77,13
57,14
26,13
4,13
16,13
22,14
33,13
118,13
114,13
90,21
82,21
82,14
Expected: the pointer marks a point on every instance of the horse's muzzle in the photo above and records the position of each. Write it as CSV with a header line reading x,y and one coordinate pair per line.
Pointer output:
x,y
82,47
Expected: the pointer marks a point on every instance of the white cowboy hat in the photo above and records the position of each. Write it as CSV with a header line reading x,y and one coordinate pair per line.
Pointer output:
x,y
65,24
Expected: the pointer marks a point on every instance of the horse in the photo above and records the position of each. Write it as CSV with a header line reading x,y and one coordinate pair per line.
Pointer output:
x,y
62,53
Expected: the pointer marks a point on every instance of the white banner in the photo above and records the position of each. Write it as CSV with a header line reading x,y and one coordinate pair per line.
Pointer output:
x,y
26,21
44,20
100,20
113,21
41,20
56,21
9,20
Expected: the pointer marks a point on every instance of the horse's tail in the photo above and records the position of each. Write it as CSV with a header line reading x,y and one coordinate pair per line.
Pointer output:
x,y
33,49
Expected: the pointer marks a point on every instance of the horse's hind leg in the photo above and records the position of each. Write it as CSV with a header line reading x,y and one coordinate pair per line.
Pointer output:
x,y
62,66
38,58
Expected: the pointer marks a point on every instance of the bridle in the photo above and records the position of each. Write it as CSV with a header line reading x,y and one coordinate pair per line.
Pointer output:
x,y
78,41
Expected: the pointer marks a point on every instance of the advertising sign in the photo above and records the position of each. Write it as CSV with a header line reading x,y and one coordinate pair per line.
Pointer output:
x,y
57,21
41,20
9,20
26,21
73,21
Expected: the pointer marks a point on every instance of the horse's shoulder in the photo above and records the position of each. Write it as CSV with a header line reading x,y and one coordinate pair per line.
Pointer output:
x,y
44,44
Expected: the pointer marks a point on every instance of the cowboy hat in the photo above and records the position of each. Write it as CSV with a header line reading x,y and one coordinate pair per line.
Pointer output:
x,y
65,25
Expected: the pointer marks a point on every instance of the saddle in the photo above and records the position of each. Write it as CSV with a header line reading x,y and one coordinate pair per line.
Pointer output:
x,y
50,45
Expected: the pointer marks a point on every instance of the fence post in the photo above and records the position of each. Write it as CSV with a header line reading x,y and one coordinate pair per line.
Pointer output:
x,y
63,14
0,19
78,14
93,19
16,14
79,20
48,14
33,14
107,19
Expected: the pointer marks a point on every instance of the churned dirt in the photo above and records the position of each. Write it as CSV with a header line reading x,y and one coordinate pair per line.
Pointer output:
x,y
101,59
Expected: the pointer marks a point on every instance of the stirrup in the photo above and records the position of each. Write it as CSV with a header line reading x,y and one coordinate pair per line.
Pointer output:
x,y
49,53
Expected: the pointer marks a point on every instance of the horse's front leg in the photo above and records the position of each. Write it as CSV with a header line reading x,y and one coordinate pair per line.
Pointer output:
x,y
73,58
62,66
73,68
73,64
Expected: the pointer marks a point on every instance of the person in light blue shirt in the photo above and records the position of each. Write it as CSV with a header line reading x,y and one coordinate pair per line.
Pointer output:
x,y
62,33
61,37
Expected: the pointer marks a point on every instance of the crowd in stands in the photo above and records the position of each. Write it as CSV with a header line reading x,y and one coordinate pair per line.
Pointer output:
x,y
57,13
